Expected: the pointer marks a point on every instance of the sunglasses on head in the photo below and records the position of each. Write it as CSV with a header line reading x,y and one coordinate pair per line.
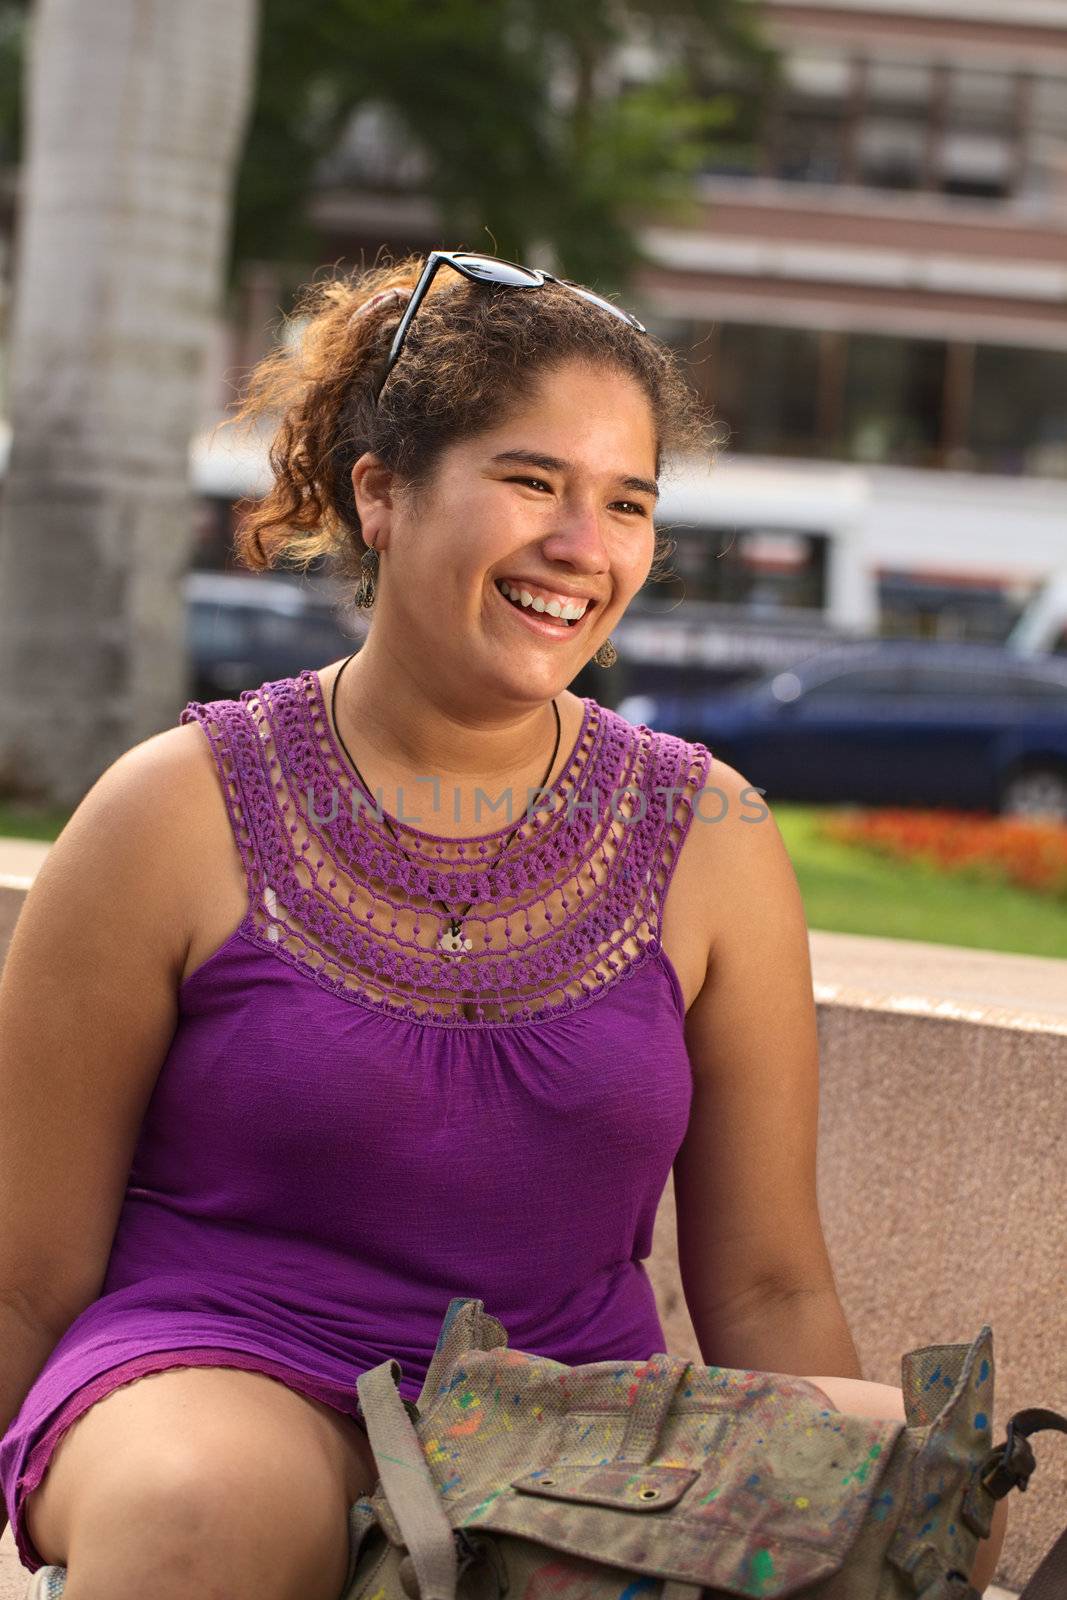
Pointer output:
x,y
486,269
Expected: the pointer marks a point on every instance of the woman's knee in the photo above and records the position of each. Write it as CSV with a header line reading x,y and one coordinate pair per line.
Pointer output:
x,y
205,1484
884,1400
863,1399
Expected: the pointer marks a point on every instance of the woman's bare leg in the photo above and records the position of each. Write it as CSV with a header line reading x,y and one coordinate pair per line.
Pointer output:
x,y
213,1481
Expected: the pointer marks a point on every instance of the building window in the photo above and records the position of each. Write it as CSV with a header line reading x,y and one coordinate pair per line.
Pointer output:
x,y
1046,146
977,154
879,399
893,132
765,383
809,122
1019,411
892,402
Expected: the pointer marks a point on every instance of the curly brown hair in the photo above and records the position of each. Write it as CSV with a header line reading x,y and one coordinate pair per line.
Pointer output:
x,y
473,352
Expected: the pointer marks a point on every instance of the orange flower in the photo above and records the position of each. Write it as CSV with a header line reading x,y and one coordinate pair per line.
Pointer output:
x,y
1018,850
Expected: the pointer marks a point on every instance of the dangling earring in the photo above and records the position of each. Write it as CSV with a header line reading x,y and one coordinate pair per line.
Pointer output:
x,y
368,566
607,655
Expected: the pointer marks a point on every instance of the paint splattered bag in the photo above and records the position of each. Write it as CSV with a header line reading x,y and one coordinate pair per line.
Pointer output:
x,y
515,1474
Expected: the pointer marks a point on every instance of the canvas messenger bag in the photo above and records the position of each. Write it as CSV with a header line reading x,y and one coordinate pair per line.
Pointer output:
x,y
518,1475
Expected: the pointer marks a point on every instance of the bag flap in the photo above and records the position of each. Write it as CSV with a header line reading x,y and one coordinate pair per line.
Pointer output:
x,y
927,1378
763,1488
617,1484
763,1498
735,1536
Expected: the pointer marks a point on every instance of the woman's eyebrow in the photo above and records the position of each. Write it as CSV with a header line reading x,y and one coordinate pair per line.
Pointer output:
x,y
533,458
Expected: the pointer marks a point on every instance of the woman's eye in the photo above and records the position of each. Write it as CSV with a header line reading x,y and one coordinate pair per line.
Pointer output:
x,y
632,506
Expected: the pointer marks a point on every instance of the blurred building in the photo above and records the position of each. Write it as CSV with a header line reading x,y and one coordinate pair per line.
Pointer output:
x,y
881,278
874,278
880,275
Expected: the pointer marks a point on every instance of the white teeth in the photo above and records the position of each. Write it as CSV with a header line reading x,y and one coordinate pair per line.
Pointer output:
x,y
566,611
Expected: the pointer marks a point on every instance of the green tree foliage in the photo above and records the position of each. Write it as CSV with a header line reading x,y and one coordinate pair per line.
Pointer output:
x,y
14,15
523,145
505,101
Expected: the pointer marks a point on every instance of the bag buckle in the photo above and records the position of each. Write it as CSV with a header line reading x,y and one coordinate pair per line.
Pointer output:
x,y
1010,1466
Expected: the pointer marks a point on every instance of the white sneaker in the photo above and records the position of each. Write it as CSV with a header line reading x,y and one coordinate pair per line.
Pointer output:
x,y
47,1583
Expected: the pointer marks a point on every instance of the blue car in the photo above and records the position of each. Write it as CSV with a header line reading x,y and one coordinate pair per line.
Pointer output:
x,y
243,630
891,722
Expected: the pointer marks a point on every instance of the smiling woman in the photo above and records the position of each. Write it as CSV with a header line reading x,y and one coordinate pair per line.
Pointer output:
x,y
386,1064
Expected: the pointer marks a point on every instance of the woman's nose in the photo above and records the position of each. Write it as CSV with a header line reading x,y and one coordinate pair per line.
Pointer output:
x,y
578,538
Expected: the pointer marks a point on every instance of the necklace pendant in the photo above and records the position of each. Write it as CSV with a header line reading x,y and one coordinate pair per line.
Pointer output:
x,y
452,941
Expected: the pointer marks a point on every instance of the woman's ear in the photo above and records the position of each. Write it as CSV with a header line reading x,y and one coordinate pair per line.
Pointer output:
x,y
372,488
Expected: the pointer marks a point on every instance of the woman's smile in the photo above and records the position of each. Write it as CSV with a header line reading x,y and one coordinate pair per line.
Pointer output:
x,y
543,622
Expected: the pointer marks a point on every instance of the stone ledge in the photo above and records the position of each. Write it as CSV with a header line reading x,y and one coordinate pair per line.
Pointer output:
x,y
939,980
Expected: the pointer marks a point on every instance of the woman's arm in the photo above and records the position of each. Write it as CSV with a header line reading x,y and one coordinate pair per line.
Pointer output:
x,y
754,1265
755,1270
88,1007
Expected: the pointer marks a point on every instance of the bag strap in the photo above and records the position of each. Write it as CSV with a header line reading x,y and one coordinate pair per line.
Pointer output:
x,y
1010,1467
661,1378
410,1490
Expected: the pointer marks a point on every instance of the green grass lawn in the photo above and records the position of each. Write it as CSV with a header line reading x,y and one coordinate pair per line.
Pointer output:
x,y
851,890
16,823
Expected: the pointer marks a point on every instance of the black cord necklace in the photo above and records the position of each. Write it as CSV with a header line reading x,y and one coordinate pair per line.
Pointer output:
x,y
452,940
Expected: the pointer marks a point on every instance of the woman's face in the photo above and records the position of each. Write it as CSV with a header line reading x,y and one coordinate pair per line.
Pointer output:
x,y
558,502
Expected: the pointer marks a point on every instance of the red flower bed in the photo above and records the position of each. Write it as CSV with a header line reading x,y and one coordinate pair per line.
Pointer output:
x,y
1029,853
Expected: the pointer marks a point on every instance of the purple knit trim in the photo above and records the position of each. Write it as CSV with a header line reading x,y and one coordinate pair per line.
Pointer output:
x,y
573,906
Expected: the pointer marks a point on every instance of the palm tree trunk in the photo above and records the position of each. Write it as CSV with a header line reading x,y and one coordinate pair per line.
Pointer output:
x,y
136,115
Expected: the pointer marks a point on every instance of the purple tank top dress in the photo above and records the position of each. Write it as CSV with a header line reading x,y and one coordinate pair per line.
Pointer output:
x,y
353,1125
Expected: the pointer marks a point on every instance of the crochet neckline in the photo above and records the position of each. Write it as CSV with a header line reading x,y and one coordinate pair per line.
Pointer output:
x,y
559,908
575,763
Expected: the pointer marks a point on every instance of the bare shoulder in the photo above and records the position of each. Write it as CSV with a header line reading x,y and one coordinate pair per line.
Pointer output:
x,y
138,838
740,851
745,1175
207,884
737,867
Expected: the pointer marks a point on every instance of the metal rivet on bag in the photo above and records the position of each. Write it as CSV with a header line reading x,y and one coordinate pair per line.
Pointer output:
x,y
648,1494
409,1578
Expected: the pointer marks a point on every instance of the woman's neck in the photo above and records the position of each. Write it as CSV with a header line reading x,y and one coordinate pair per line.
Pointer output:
x,y
442,755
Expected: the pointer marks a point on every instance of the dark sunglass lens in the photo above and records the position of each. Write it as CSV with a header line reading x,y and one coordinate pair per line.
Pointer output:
x,y
493,271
